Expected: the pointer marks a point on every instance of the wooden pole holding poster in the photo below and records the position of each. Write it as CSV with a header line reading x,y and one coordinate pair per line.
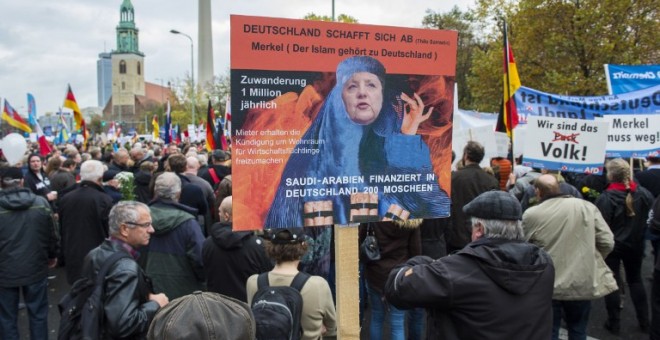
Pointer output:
x,y
347,277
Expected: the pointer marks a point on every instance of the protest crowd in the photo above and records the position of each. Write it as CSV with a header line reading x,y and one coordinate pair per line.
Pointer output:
x,y
546,243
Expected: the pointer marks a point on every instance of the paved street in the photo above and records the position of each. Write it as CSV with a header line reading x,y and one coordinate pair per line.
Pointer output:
x,y
629,328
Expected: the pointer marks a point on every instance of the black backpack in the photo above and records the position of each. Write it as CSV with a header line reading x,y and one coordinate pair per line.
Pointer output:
x,y
277,309
81,309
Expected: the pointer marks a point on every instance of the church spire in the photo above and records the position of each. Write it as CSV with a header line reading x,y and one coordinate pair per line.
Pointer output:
x,y
127,32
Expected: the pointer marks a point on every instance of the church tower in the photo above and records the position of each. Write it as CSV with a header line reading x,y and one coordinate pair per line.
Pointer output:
x,y
127,66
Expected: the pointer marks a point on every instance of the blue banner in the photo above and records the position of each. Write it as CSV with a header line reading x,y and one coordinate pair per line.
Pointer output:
x,y
628,78
532,102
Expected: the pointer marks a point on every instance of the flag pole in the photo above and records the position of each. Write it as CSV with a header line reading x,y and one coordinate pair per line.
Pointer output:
x,y
508,117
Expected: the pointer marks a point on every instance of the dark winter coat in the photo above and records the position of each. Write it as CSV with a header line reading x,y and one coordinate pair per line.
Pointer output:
x,y
220,170
173,258
128,311
38,186
432,232
61,179
650,180
113,192
230,258
142,180
628,231
27,237
397,242
466,184
193,197
83,216
491,289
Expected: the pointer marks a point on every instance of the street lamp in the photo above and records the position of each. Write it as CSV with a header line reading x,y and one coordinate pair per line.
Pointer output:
x,y
192,72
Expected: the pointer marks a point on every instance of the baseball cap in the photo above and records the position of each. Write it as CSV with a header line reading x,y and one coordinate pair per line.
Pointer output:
x,y
285,235
494,205
220,155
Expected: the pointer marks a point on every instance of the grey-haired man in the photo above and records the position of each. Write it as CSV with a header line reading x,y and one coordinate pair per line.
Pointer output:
x,y
496,287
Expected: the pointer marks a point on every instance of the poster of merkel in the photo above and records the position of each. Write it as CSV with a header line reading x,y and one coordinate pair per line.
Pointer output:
x,y
337,123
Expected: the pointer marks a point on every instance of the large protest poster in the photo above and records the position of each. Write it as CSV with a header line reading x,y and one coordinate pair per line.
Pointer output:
x,y
633,136
571,145
335,123
627,78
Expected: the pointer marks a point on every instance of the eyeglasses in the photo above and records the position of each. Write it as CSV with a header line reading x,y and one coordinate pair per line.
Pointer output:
x,y
141,225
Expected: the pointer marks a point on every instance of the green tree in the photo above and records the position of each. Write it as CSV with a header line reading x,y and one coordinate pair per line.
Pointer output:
x,y
94,125
464,23
340,18
560,46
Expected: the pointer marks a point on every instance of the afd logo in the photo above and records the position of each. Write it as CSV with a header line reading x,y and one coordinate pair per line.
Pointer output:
x,y
645,75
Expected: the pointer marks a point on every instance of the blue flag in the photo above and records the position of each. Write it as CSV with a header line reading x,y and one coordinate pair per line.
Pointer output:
x,y
168,124
32,109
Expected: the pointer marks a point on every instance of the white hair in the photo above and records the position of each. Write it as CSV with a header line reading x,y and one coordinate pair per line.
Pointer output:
x,y
203,159
506,229
168,186
122,212
91,170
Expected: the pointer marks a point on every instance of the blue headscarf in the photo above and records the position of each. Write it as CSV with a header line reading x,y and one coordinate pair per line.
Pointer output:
x,y
345,148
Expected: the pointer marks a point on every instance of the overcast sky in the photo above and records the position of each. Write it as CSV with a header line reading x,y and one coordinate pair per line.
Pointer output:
x,y
45,45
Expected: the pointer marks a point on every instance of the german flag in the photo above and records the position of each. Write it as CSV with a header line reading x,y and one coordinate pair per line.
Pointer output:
x,y
210,128
508,117
70,102
14,119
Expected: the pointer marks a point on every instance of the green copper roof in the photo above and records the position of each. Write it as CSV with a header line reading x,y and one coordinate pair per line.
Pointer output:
x,y
126,5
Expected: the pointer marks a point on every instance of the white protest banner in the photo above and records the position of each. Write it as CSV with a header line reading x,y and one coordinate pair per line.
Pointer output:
x,y
501,144
484,135
192,133
633,136
519,134
565,144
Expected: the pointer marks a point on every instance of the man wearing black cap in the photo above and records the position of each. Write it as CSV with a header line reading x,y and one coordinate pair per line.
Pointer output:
x,y
220,168
28,247
497,287
111,185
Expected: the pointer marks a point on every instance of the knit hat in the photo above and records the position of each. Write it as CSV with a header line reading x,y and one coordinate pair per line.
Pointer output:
x,y
494,205
203,315
109,175
11,173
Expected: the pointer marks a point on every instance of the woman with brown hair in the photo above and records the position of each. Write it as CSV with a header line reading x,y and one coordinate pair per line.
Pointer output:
x,y
625,207
287,247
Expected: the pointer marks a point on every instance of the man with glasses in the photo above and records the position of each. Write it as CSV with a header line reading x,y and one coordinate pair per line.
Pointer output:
x,y
129,302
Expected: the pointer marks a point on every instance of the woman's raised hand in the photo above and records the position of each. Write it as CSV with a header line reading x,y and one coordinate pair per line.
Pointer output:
x,y
413,114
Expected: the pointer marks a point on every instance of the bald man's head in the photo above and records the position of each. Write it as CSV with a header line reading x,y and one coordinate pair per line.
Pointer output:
x,y
548,186
192,165
225,210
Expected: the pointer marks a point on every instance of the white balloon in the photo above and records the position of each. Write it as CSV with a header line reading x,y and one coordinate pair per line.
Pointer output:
x,y
14,147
